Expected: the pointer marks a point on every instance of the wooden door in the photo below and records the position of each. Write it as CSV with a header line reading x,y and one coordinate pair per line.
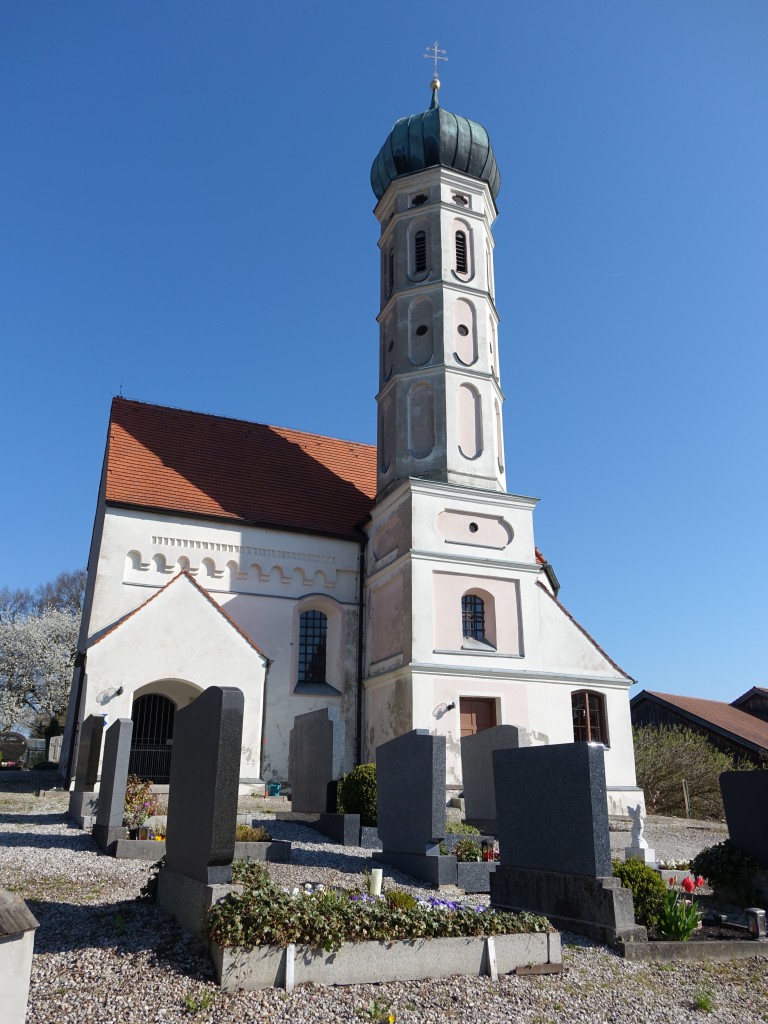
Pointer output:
x,y
477,713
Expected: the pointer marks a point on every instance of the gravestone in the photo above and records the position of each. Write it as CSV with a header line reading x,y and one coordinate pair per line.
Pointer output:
x,y
477,771
114,779
13,749
202,805
17,939
555,852
410,783
83,800
315,759
54,748
745,800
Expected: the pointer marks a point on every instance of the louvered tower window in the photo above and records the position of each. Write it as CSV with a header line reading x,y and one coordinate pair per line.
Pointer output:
x,y
390,272
313,631
473,617
462,266
420,252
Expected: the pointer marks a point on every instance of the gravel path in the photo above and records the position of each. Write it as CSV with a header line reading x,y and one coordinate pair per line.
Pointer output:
x,y
103,957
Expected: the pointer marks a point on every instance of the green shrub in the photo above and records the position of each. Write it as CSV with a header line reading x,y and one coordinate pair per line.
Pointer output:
x,y
649,893
399,899
356,794
468,850
253,876
460,828
45,766
729,871
665,757
248,834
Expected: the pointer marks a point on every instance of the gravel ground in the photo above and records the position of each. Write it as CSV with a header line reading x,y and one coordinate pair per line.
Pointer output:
x,y
101,956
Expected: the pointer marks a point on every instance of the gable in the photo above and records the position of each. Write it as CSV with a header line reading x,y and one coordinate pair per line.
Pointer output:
x,y
566,646
171,460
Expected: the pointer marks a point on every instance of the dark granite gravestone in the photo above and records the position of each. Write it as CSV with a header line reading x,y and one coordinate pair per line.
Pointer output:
x,y
554,843
89,753
13,749
410,783
114,778
202,806
745,799
477,771
559,793
83,800
205,774
315,759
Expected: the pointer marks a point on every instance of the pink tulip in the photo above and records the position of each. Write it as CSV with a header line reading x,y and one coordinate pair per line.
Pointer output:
x,y
700,881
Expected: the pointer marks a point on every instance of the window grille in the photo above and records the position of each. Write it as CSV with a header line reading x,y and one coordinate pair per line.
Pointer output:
x,y
313,631
420,252
473,617
462,266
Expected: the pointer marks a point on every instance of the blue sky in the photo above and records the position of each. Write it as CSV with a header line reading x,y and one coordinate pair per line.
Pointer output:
x,y
186,214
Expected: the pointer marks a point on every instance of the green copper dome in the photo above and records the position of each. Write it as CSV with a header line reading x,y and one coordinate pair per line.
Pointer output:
x,y
435,138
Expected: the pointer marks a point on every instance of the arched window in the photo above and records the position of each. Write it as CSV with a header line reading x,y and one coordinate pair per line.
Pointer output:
x,y
590,724
462,265
313,633
420,252
473,617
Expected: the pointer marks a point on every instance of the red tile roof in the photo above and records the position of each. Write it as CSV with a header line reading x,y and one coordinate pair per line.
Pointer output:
x,y
185,575
722,717
171,460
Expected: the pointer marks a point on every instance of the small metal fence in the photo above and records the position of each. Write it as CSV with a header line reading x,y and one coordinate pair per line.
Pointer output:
x,y
151,761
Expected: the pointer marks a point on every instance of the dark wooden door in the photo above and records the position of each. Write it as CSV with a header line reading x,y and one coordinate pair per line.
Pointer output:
x,y
477,713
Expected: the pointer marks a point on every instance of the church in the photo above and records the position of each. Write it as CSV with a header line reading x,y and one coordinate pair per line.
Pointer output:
x,y
399,584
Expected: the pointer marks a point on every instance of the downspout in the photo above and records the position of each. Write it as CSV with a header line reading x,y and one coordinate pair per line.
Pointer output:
x,y
270,663
360,635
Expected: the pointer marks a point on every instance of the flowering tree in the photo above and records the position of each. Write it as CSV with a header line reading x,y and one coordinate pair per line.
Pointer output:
x,y
37,653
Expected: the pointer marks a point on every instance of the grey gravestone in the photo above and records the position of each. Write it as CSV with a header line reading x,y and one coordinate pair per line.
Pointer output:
x,y
83,800
13,748
477,771
553,809
114,778
554,842
205,774
745,799
410,783
88,753
315,759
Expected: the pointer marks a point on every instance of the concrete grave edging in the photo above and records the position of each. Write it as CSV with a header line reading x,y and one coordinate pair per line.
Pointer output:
x,y
360,963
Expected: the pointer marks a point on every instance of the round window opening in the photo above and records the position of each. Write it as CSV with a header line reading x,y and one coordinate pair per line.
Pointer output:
x,y
421,330
473,527
463,330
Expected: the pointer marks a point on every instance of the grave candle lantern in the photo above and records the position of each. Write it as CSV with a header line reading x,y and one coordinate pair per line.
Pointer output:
x,y
756,922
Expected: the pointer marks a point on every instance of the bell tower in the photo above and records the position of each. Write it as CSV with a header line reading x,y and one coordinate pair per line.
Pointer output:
x,y
439,398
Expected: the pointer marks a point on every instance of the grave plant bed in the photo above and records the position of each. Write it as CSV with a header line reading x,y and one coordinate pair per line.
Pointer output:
x,y
265,936
263,849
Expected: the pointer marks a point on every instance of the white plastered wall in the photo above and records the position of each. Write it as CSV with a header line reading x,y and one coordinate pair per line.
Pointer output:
x,y
178,645
263,579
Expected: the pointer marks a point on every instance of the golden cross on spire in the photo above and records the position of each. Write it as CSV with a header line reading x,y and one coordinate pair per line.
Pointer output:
x,y
433,53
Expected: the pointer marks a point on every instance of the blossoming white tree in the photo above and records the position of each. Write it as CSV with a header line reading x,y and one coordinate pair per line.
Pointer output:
x,y
38,641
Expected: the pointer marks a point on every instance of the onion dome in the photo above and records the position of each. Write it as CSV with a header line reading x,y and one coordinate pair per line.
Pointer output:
x,y
431,139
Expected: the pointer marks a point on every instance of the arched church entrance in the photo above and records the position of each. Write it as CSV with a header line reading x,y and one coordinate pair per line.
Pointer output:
x,y
154,708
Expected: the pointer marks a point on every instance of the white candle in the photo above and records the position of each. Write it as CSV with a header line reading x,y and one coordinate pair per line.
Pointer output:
x,y
376,877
